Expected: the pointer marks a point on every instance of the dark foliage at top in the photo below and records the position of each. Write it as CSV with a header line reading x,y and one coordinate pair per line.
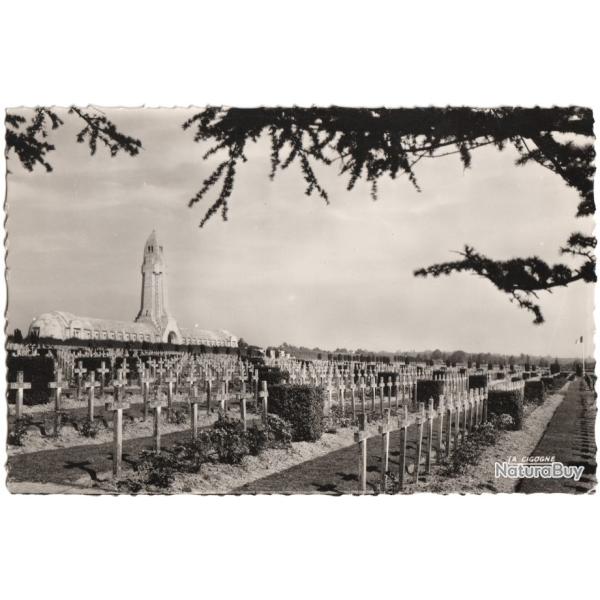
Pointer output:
x,y
370,143
30,142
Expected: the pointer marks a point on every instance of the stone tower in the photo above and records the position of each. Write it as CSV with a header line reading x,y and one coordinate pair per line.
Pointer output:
x,y
154,307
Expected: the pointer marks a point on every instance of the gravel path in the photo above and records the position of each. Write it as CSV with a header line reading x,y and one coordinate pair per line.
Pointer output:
x,y
570,438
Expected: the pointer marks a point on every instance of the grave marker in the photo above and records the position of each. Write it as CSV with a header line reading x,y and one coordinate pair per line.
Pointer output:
x,y
361,437
208,383
194,401
403,424
19,385
353,400
430,416
157,404
117,407
264,395
91,385
102,371
420,424
384,430
80,372
170,380
146,380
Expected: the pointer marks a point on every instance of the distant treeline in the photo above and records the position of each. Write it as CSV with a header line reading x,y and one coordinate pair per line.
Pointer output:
x,y
450,358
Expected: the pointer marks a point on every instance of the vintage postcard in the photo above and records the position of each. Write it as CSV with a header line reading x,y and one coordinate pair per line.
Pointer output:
x,y
325,300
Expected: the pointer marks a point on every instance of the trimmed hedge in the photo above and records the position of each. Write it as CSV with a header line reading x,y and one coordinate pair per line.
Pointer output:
x,y
272,375
429,388
477,381
302,407
37,370
508,402
535,391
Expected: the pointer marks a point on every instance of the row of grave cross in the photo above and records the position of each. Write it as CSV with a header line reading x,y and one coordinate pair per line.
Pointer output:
x,y
117,404
448,424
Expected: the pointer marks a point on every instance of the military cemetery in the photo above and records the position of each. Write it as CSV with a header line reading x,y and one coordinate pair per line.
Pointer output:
x,y
147,405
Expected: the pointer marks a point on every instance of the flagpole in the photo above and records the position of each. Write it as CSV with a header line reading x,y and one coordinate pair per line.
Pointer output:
x,y
582,356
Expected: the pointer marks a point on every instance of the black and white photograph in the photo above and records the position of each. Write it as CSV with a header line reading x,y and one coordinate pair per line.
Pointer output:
x,y
222,300
300,299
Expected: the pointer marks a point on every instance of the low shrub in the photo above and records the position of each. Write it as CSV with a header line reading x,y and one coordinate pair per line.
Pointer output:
x,y
336,419
230,441
502,422
257,440
279,432
178,416
534,391
151,469
525,375
508,402
469,452
18,430
88,428
302,407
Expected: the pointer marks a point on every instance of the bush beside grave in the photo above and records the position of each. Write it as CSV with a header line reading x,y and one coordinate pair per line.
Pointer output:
x,y
302,407
477,382
508,402
429,388
534,391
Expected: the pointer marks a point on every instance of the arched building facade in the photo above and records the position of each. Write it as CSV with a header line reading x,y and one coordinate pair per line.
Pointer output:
x,y
153,323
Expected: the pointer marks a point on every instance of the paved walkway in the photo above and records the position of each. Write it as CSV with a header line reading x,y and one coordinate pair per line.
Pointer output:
x,y
570,438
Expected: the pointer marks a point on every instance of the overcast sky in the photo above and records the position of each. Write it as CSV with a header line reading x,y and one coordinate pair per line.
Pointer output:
x,y
286,267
